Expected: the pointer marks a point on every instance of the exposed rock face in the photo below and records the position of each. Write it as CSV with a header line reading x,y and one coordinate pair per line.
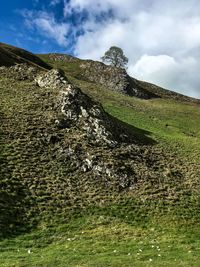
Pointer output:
x,y
113,78
90,141
87,124
53,78
89,116
80,110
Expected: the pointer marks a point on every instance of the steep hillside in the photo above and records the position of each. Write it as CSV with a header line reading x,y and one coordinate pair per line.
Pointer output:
x,y
90,176
10,55
61,150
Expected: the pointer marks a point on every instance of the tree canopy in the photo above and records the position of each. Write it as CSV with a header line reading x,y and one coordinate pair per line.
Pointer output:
x,y
115,57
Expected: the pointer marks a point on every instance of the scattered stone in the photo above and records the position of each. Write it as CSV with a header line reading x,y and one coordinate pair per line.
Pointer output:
x,y
21,71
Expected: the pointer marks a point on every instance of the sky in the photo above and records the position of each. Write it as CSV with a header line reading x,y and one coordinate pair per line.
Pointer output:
x,y
161,38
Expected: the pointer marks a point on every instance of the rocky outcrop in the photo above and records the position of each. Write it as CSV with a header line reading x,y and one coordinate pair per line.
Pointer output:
x,y
87,125
53,78
78,109
113,78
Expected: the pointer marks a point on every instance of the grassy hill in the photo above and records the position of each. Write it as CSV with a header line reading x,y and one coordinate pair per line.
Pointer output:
x,y
10,55
53,213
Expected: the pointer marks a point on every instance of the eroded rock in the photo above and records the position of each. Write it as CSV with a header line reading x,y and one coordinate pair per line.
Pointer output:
x,y
113,78
53,78
79,109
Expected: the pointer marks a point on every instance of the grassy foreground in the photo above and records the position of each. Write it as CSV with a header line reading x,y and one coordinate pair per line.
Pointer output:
x,y
104,241
129,233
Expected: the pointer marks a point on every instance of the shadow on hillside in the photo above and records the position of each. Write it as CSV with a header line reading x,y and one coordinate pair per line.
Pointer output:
x,y
140,136
14,199
13,207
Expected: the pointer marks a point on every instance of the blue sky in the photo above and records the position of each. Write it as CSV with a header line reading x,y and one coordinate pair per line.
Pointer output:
x,y
161,38
15,31
18,28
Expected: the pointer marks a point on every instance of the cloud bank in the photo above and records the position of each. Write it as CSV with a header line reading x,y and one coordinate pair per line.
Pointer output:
x,y
160,38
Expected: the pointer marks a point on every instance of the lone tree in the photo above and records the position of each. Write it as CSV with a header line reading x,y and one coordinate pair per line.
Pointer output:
x,y
115,57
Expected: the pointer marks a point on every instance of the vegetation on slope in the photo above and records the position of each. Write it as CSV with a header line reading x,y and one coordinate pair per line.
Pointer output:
x,y
10,55
77,221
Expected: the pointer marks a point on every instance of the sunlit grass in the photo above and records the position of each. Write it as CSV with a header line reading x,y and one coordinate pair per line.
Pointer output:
x,y
103,241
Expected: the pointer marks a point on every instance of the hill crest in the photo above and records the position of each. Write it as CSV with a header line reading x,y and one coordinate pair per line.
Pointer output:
x,y
11,55
113,78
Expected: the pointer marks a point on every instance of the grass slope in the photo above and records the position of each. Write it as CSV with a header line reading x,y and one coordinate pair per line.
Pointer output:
x,y
126,230
10,55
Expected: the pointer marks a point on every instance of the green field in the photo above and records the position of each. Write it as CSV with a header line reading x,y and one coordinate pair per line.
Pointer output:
x,y
104,241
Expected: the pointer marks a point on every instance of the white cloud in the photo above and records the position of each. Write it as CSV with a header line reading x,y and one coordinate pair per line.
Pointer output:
x,y
166,71
46,25
153,67
160,38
